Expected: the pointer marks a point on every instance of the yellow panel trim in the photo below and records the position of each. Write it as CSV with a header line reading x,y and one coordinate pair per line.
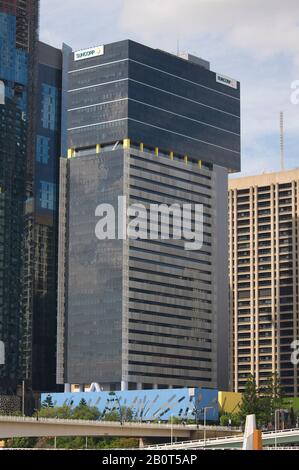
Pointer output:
x,y
126,143
141,147
200,164
98,148
70,153
171,155
157,151
186,159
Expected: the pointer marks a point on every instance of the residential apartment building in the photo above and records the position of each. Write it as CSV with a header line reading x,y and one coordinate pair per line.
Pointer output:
x,y
264,287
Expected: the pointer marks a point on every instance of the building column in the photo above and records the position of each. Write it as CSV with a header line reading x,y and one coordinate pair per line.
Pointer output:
x,y
124,386
67,388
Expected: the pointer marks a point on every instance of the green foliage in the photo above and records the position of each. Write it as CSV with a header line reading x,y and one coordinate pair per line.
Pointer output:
x,y
175,420
59,412
263,402
10,413
82,403
271,398
250,403
21,443
48,402
232,419
122,414
86,412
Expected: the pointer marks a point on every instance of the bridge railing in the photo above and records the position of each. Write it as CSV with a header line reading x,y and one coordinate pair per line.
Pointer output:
x,y
228,439
191,427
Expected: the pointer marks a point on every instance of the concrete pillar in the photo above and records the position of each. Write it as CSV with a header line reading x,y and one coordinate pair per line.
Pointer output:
x,y
124,386
139,386
67,388
155,386
81,388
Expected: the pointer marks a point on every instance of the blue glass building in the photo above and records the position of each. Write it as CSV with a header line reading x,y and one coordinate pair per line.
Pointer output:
x,y
18,34
40,268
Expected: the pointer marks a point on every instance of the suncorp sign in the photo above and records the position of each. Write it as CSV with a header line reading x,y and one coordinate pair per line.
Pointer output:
x,y
89,53
226,81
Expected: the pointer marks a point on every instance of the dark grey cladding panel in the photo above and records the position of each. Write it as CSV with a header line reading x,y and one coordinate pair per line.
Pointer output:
x,y
94,315
178,66
108,132
106,73
172,104
49,55
99,113
167,140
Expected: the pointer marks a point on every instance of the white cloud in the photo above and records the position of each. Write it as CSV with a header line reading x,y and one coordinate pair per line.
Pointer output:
x,y
261,28
255,41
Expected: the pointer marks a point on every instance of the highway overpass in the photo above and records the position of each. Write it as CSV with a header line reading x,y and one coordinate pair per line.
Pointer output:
x,y
11,426
270,438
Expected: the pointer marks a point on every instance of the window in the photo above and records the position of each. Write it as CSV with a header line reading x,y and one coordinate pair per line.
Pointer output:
x,y
47,195
49,107
2,93
42,149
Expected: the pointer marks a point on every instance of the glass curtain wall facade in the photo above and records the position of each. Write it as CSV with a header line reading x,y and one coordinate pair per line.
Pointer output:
x,y
18,33
155,128
40,267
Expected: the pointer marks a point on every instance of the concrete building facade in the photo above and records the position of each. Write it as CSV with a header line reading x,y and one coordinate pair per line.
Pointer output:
x,y
263,252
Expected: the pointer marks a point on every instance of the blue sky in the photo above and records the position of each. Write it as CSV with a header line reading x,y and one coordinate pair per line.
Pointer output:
x,y
254,41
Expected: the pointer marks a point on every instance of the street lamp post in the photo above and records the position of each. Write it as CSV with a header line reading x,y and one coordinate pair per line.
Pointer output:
x,y
277,427
205,423
171,429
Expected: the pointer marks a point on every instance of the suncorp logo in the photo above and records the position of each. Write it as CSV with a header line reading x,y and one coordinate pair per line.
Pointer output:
x,y
226,81
88,53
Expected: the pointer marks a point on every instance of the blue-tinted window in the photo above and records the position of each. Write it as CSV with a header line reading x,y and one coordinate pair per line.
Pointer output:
x,y
47,195
42,149
49,107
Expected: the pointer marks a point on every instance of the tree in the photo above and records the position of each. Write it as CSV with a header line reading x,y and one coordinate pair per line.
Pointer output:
x,y
59,412
230,418
82,403
83,411
21,443
122,414
48,402
174,420
250,403
272,398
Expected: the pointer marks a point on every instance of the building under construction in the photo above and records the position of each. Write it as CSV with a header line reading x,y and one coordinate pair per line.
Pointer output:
x,y
30,87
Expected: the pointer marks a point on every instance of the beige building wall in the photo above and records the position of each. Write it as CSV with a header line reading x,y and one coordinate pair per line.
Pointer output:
x,y
264,288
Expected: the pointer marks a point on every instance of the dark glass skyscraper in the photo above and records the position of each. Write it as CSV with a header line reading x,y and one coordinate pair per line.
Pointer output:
x,y
158,129
18,35
30,110
41,229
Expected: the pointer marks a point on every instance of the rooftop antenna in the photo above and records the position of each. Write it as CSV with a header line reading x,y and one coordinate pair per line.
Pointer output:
x,y
178,47
281,141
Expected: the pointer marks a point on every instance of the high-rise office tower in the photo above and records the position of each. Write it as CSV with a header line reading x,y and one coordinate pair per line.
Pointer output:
x,y
156,129
39,315
263,218
18,35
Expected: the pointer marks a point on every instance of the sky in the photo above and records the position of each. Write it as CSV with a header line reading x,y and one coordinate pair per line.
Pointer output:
x,y
253,41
